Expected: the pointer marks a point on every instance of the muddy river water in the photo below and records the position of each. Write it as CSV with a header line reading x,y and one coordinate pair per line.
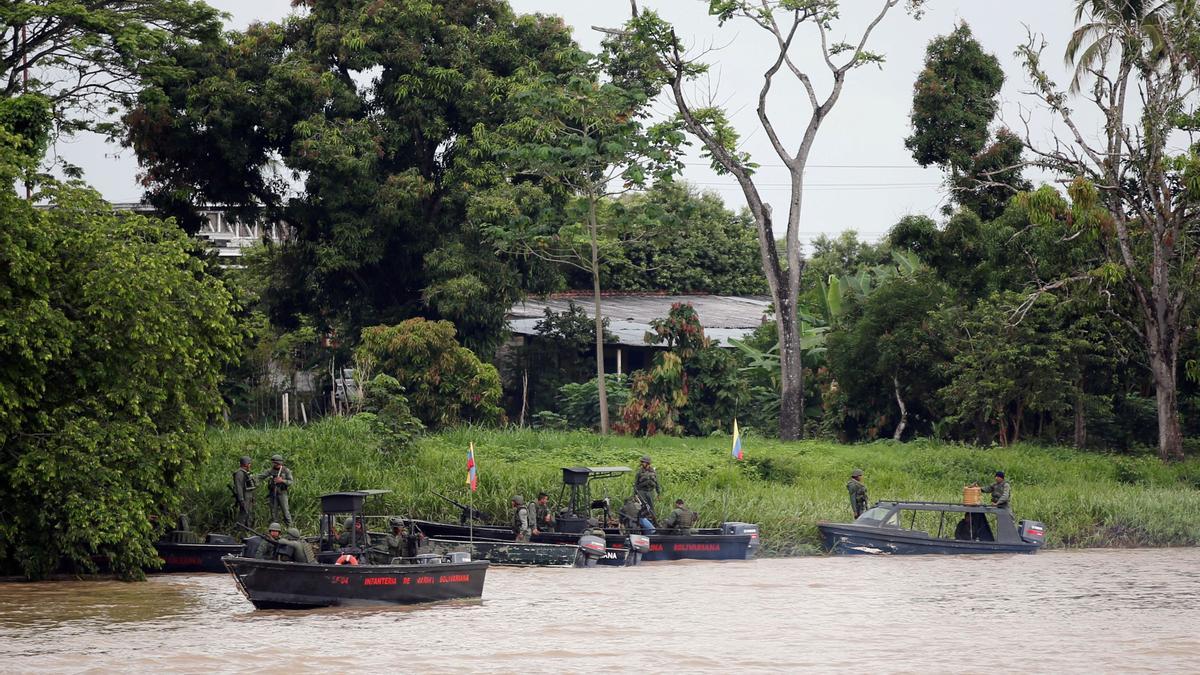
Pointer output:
x,y
1094,611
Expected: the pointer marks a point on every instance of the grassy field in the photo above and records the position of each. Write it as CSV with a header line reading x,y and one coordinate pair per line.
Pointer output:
x,y
1085,499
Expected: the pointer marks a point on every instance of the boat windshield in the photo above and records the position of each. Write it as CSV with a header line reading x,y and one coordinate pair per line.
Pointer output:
x,y
873,515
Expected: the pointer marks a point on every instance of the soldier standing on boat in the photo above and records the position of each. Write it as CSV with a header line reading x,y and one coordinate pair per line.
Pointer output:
x,y
354,534
858,493
301,551
681,519
268,548
243,493
279,479
646,485
1001,492
521,522
543,518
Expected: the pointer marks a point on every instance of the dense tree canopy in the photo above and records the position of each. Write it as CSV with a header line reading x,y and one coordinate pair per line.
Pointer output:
x,y
373,108
112,339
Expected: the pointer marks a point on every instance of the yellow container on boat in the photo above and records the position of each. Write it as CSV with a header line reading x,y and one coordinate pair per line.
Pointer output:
x,y
972,495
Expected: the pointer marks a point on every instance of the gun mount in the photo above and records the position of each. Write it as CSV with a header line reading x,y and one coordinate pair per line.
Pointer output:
x,y
580,502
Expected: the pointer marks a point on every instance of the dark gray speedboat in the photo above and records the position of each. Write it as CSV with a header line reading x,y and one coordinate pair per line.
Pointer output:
x,y
892,527
500,552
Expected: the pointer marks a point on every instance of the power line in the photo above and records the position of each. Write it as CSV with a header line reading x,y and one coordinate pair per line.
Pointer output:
x,y
828,166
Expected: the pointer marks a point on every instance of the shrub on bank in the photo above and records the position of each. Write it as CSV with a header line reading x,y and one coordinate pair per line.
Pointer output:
x,y
1085,499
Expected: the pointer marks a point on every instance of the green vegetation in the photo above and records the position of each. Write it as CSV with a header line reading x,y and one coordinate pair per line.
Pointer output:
x,y
1084,499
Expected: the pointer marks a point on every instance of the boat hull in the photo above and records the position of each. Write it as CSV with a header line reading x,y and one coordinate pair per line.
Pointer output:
x,y
702,546
508,552
849,539
270,584
193,558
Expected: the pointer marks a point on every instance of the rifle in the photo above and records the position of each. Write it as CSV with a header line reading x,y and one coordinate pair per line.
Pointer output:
x,y
276,543
467,512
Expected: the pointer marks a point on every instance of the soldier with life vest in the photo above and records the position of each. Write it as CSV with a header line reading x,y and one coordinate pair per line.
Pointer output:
x,y
279,479
646,484
1001,492
681,520
521,522
858,493
301,552
354,534
543,517
243,493
395,540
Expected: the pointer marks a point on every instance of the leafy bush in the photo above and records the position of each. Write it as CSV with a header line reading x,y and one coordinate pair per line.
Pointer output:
x,y
579,403
445,383
390,417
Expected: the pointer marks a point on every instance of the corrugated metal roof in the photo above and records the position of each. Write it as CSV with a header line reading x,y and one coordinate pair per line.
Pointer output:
x,y
629,316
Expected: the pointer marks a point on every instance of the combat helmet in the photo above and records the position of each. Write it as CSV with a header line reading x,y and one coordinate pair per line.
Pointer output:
x,y
518,500
277,458
857,473
274,527
396,522
646,459
293,533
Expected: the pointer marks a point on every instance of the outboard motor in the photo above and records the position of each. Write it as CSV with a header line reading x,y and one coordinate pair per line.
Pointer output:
x,y
1032,532
744,528
639,545
591,550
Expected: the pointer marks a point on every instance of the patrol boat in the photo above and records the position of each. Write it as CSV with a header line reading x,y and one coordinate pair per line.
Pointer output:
x,y
730,541
344,576
894,527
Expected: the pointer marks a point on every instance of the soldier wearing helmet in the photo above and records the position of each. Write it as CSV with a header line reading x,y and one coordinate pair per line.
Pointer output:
x,y
243,493
268,548
522,525
301,551
354,534
395,539
646,484
858,493
279,480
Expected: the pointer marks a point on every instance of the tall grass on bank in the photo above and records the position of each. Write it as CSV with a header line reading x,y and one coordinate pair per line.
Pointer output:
x,y
1085,499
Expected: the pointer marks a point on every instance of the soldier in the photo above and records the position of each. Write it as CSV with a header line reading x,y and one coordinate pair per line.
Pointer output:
x,y
243,493
301,551
354,534
279,479
395,541
1001,492
543,518
521,520
681,519
646,485
858,493
634,515
268,548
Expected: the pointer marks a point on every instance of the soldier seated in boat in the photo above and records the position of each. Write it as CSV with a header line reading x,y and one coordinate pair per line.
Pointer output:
x,y
270,547
353,533
635,517
681,519
301,552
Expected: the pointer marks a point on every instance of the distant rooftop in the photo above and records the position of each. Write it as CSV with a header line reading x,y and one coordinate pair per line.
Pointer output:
x,y
629,315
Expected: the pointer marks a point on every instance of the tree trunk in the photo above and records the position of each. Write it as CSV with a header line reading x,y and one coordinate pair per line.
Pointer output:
x,y
791,384
1080,421
1170,438
1018,419
903,411
592,227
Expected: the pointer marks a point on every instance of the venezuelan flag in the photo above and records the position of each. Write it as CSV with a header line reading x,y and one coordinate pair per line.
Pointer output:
x,y
737,441
472,477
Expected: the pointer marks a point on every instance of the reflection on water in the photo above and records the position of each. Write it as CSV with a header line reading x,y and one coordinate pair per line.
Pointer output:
x,y
1062,611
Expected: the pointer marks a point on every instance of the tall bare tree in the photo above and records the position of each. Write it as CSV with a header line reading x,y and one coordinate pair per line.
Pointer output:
x,y
782,21
1137,183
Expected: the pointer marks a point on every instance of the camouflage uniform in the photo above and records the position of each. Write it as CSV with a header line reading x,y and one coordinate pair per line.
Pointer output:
x,y
270,548
858,496
645,483
278,492
521,520
543,518
681,520
347,537
395,540
243,493
301,551
1001,493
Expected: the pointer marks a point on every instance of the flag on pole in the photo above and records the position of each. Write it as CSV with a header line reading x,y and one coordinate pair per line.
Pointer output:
x,y
472,478
737,441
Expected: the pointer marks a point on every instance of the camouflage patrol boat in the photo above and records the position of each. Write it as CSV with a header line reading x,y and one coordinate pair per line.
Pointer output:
x,y
345,576
500,552
729,541
906,528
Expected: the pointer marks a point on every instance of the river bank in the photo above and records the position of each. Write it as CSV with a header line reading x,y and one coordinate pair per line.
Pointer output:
x,y
1085,499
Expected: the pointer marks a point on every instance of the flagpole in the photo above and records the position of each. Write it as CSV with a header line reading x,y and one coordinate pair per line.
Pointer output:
x,y
471,520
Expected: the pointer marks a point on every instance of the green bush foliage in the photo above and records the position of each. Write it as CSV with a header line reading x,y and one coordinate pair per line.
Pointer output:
x,y
579,403
113,336
445,383
386,408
